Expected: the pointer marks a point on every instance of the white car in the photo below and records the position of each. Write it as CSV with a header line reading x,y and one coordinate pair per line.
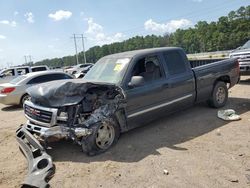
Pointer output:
x,y
74,69
14,92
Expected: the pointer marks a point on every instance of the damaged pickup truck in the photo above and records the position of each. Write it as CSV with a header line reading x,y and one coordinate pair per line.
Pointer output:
x,y
121,91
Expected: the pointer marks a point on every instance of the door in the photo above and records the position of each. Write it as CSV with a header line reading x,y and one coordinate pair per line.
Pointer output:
x,y
141,99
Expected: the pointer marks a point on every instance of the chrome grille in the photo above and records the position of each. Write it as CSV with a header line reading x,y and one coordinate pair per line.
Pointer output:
x,y
38,114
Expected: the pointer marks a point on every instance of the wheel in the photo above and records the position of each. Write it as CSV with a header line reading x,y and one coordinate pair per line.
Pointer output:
x,y
105,134
219,95
24,98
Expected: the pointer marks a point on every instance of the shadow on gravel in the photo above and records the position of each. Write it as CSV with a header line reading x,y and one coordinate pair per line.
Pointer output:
x,y
12,108
167,132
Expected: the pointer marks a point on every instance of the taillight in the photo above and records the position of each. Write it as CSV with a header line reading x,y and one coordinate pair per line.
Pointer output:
x,y
238,66
7,90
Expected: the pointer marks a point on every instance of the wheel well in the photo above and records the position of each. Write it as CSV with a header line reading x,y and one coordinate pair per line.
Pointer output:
x,y
225,79
23,97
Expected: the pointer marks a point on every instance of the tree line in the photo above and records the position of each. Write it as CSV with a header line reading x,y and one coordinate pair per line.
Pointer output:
x,y
229,32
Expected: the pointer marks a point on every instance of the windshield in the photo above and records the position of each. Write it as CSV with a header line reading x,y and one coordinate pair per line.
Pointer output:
x,y
246,45
110,70
17,79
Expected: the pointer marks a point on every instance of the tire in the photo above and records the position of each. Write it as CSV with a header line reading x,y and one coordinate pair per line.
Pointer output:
x,y
219,95
105,134
24,98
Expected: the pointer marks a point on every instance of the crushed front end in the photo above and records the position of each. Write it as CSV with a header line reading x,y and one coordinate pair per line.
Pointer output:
x,y
67,110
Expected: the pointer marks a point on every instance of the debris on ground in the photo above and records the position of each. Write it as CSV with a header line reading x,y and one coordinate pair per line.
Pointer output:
x,y
165,172
228,115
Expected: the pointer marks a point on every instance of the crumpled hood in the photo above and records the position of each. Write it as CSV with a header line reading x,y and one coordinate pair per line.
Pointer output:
x,y
62,92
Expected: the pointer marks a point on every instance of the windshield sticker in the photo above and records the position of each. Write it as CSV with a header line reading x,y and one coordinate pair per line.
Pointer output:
x,y
120,63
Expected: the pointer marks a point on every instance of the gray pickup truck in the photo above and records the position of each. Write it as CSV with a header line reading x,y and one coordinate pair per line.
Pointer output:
x,y
121,91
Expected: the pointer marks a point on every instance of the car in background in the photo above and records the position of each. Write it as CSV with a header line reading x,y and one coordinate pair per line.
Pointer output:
x,y
14,92
243,55
75,68
81,72
9,74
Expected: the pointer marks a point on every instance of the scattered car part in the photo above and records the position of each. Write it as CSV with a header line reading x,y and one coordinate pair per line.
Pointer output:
x,y
228,115
40,166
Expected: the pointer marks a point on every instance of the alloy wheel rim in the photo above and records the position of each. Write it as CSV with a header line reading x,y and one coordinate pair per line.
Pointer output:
x,y
220,95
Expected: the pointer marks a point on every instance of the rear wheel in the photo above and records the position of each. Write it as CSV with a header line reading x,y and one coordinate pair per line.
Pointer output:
x,y
219,95
24,98
105,134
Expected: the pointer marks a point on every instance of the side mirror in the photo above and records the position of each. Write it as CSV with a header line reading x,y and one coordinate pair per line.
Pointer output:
x,y
136,81
238,48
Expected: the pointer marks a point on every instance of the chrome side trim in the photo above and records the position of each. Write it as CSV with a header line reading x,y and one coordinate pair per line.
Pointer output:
x,y
159,106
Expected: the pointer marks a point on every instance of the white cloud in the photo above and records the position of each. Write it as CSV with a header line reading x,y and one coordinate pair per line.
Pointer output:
x,y
93,28
16,13
29,17
2,37
96,34
1,50
7,22
198,1
60,15
168,27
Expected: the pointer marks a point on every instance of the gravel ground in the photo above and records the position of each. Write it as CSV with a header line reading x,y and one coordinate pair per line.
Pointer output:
x,y
193,147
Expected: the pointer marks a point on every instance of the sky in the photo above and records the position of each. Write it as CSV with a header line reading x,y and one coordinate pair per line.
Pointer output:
x,y
42,29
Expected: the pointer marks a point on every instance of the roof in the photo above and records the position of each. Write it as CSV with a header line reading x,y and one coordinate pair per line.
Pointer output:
x,y
39,73
141,52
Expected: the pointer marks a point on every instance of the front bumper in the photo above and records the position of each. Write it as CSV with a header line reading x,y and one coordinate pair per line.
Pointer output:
x,y
245,69
40,166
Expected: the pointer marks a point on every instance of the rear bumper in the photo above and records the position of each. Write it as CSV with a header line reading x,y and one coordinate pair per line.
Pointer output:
x,y
9,99
40,166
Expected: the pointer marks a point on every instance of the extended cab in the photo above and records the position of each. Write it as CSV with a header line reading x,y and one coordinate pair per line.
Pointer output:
x,y
120,92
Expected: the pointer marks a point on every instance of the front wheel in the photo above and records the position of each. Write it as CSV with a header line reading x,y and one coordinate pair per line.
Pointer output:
x,y
219,95
105,134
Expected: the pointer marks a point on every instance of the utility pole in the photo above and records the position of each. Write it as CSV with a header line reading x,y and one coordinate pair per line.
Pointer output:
x,y
79,36
30,58
83,49
25,58
77,62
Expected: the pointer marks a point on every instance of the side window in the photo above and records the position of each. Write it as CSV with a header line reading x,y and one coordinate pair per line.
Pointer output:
x,y
22,71
36,69
9,72
148,68
39,79
175,63
48,78
60,76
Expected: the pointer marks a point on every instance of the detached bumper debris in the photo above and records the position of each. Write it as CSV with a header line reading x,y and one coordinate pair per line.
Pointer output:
x,y
40,166
228,115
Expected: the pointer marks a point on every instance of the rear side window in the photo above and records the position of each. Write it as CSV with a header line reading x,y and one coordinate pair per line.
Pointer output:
x,y
48,78
36,69
22,71
175,63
